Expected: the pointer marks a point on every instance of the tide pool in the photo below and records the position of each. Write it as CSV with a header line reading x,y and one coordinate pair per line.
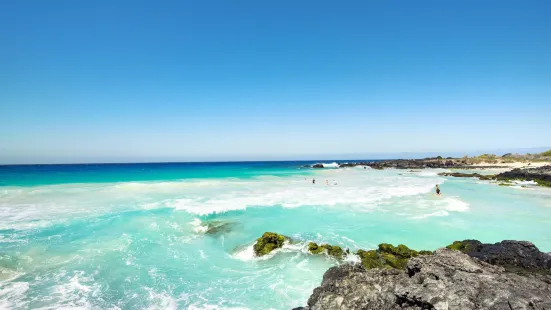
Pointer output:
x,y
135,236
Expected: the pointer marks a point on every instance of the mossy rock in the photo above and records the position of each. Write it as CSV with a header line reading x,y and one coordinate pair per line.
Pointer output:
x,y
268,242
465,246
371,259
401,250
388,256
394,261
505,184
314,248
332,250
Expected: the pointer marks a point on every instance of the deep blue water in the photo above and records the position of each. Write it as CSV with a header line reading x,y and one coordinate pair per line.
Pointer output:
x,y
28,175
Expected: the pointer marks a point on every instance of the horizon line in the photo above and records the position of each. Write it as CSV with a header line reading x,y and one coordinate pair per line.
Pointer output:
x,y
328,157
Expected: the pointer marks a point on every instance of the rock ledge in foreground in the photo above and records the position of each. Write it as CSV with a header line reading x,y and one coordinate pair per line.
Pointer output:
x,y
448,279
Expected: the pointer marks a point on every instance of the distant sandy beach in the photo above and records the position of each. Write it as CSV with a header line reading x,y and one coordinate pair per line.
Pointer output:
x,y
515,164
510,166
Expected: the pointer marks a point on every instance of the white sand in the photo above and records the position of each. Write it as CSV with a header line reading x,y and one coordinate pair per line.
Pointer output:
x,y
511,166
516,164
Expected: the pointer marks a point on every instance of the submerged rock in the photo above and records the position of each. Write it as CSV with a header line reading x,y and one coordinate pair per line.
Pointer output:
x,y
268,242
215,228
331,250
445,280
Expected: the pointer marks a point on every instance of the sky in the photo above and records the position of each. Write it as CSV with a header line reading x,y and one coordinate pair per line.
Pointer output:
x,y
94,81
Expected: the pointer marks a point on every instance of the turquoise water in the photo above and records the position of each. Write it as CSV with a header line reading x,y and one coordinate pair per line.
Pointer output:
x,y
133,236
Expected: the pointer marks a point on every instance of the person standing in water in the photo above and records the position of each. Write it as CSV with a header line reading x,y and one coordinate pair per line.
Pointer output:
x,y
313,181
438,190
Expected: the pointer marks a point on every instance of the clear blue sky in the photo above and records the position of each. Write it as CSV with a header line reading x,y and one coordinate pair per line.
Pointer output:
x,y
192,80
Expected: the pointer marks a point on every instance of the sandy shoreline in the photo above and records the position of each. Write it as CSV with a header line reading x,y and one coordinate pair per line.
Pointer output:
x,y
499,167
514,165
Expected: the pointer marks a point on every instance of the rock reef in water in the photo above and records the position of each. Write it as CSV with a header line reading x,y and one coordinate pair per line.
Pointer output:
x,y
331,250
447,279
386,256
467,175
540,175
268,242
215,228
422,164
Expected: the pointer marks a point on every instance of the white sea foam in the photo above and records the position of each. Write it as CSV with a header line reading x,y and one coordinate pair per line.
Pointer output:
x,y
161,300
437,213
352,258
455,204
357,189
213,307
427,173
330,165
518,182
198,226
74,293
12,295
291,194
247,253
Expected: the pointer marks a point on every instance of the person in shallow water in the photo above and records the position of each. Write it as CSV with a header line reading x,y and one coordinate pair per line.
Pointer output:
x,y
313,181
437,190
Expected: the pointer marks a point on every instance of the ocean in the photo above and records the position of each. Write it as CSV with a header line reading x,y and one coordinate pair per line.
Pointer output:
x,y
135,236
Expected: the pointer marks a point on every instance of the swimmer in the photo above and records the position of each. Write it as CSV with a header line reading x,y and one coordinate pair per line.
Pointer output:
x,y
438,190
313,181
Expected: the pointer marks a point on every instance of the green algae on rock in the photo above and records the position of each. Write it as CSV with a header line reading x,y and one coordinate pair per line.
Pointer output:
x,y
332,250
371,259
388,256
465,246
268,242
543,182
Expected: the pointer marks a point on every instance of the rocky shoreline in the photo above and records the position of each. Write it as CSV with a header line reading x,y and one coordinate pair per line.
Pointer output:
x,y
477,162
539,175
414,164
465,275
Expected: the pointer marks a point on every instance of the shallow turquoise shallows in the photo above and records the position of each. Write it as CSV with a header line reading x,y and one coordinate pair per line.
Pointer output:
x,y
135,236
